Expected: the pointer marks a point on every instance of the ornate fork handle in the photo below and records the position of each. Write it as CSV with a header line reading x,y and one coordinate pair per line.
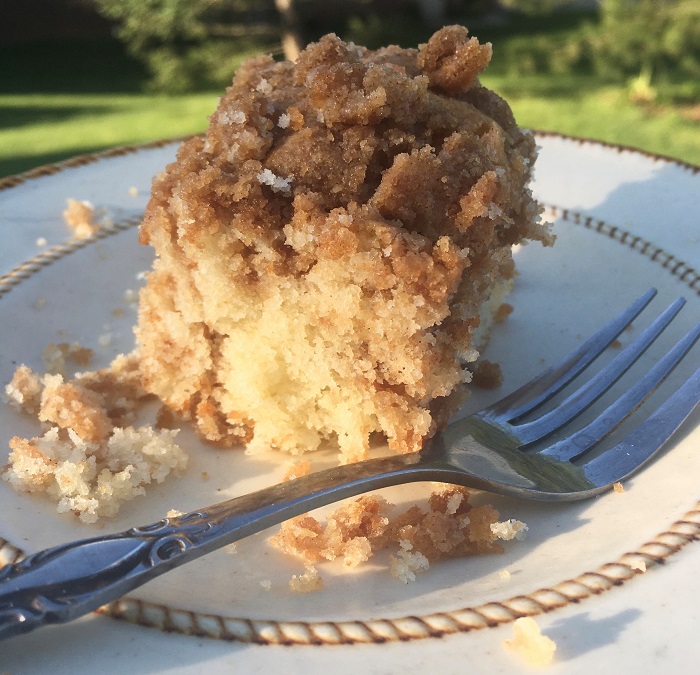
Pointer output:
x,y
62,583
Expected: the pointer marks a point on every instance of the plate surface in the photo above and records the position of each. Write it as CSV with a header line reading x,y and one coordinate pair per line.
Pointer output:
x,y
624,220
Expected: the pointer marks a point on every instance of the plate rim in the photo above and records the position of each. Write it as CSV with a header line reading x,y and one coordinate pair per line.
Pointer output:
x,y
44,170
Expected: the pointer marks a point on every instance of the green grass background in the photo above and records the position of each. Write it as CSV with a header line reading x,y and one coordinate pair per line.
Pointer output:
x,y
61,100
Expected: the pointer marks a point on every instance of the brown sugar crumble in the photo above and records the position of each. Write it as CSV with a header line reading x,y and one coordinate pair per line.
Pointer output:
x,y
57,356
449,526
503,311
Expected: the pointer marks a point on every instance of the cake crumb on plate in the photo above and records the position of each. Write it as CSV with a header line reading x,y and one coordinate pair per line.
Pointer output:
x,y
529,643
308,582
80,217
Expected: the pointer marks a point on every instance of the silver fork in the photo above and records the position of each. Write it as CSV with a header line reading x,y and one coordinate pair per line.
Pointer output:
x,y
487,450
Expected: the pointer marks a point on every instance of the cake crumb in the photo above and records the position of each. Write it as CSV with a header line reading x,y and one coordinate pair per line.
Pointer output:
x,y
618,487
529,643
41,242
407,562
503,312
24,390
39,303
308,582
80,217
173,513
487,375
266,584
504,575
133,191
297,470
510,529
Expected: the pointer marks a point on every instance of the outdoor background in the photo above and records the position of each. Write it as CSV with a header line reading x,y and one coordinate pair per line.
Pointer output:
x,y
84,75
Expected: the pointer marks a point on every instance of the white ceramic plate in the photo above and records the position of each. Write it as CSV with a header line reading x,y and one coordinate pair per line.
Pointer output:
x,y
625,221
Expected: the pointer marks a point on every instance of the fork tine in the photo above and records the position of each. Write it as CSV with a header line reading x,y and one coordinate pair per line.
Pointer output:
x,y
577,444
594,388
640,445
540,389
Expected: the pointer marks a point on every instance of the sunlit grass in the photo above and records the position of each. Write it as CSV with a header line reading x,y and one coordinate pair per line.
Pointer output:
x,y
40,128
603,112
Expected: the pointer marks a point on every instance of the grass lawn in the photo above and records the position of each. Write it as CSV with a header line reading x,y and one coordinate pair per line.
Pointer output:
x,y
599,111
59,101
38,129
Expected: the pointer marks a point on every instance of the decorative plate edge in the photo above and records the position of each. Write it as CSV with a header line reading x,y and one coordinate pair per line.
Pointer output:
x,y
81,160
402,629
88,158
619,148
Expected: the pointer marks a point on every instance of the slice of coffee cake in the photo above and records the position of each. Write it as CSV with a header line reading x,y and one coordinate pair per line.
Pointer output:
x,y
326,250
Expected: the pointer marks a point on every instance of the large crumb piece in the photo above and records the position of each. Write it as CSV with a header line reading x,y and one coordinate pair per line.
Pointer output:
x,y
80,217
93,479
89,460
529,643
71,406
347,534
326,251
90,404
449,526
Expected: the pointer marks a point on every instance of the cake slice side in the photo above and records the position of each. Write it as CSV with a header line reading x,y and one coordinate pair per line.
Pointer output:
x,y
325,249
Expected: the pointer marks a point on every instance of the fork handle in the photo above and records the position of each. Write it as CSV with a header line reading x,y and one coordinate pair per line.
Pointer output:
x,y
65,582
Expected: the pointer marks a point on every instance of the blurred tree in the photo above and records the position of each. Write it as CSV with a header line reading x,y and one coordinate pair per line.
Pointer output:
x,y
646,38
197,43
537,6
188,44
